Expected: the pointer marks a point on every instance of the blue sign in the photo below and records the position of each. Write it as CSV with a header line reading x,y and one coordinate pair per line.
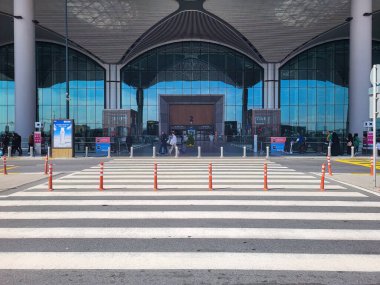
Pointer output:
x,y
63,134
102,144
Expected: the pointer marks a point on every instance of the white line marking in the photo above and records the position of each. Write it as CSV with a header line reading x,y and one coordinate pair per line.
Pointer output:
x,y
275,203
161,193
194,233
117,215
194,180
218,176
190,261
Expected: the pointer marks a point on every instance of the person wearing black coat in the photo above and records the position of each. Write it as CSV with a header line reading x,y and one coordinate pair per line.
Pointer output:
x,y
335,145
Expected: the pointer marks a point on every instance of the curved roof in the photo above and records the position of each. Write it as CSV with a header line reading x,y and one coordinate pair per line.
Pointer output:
x,y
109,28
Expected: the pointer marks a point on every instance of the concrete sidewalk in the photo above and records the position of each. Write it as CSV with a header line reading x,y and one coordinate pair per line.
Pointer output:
x,y
15,180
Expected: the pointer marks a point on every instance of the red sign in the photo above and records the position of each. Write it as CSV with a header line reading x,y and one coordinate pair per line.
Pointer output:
x,y
102,140
370,138
278,139
37,138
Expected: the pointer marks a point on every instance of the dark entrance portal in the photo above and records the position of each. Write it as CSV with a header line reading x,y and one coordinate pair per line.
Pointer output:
x,y
195,115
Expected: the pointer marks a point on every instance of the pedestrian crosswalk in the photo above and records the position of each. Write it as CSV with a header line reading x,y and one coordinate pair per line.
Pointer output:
x,y
189,174
184,226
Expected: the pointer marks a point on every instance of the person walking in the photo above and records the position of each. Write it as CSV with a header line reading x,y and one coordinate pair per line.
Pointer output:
x,y
16,144
172,142
349,143
5,142
163,144
129,142
30,142
356,143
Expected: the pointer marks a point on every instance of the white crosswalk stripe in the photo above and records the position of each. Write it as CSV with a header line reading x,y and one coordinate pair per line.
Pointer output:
x,y
189,174
135,227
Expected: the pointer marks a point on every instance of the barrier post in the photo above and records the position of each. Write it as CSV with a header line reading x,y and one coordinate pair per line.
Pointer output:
x,y
221,152
101,186
352,151
322,185
176,152
50,188
199,152
10,151
210,177
86,153
265,176
154,152
371,167
244,151
5,164
109,152
48,151
329,165
155,187
267,156
131,152
31,151
329,151
46,164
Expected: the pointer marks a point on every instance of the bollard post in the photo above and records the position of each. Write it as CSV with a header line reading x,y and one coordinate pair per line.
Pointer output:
x,y
221,152
109,152
322,185
10,151
154,152
131,152
5,164
50,188
265,176
31,151
244,151
199,152
352,151
267,156
86,151
371,167
48,151
210,177
329,165
101,186
329,151
46,164
176,152
155,187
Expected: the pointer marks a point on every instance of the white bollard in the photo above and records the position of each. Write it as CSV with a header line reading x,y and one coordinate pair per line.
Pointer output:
x,y
31,151
267,157
86,154
109,152
154,152
199,152
255,143
176,152
131,153
352,151
9,151
244,151
329,151
48,151
221,152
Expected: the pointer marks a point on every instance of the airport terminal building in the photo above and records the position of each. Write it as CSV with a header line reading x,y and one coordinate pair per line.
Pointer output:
x,y
235,68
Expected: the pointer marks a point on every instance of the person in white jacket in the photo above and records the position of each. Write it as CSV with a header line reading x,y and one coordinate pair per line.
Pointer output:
x,y
172,142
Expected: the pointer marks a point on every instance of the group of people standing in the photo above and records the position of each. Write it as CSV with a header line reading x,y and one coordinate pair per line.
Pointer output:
x,y
334,142
13,140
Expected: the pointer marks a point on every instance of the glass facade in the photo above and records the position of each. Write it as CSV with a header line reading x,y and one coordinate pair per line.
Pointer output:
x,y
86,88
314,91
195,70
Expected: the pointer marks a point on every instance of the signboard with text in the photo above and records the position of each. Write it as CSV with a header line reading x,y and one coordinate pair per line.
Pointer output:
x,y
102,144
277,144
63,133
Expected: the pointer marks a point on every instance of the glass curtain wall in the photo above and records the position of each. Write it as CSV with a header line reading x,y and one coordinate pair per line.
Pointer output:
x,y
87,88
314,92
192,69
